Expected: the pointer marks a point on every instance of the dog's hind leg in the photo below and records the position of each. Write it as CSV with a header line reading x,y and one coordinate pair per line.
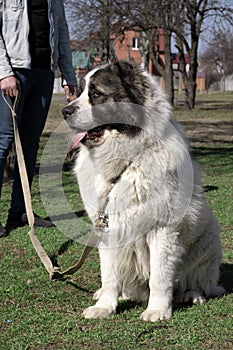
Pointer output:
x,y
194,297
200,281
199,297
110,290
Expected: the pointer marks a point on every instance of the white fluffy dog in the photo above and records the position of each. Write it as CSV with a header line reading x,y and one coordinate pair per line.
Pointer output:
x,y
159,240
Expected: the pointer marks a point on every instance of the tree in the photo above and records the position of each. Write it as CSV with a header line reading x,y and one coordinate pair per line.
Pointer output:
x,y
187,34
217,59
91,23
185,19
195,14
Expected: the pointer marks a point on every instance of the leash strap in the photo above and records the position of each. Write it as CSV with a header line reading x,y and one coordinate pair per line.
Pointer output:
x,y
54,272
92,241
57,274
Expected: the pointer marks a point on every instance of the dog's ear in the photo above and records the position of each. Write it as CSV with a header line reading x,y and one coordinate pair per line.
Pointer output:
x,y
132,79
128,71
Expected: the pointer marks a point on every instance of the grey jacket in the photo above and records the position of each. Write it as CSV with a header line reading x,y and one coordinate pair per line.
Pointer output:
x,y
14,45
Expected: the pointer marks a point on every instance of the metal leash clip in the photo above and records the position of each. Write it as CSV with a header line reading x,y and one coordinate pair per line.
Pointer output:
x,y
102,220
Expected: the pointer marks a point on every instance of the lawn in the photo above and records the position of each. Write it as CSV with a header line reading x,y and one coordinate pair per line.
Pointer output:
x,y
36,314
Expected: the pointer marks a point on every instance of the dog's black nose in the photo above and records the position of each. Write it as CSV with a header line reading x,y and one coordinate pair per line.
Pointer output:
x,y
68,111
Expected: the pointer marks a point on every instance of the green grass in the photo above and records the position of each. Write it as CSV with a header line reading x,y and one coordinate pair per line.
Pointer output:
x,y
36,314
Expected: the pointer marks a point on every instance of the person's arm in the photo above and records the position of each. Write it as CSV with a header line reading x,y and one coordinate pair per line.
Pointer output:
x,y
8,83
65,59
70,92
10,86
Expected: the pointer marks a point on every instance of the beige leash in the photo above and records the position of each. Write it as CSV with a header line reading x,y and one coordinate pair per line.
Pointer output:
x,y
54,272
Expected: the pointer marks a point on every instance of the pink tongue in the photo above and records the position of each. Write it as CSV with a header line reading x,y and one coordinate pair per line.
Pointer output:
x,y
78,138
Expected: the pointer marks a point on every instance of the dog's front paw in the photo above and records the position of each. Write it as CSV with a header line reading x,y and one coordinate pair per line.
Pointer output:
x,y
156,315
96,312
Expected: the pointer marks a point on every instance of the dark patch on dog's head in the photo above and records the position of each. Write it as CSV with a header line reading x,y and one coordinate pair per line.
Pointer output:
x,y
133,81
118,82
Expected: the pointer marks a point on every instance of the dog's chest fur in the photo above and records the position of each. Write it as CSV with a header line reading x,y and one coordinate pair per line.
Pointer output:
x,y
108,182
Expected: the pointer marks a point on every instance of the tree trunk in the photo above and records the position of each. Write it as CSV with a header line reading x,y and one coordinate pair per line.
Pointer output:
x,y
168,72
188,77
164,68
190,93
191,84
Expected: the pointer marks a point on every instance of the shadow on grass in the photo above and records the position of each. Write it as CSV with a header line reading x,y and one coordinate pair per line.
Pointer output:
x,y
63,248
211,151
227,277
206,131
214,105
125,305
148,333
73,284
66,245
207,104
218,158
67,216
54,169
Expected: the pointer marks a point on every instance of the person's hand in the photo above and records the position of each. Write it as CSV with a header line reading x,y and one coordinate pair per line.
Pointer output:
x,y
10,86
70,92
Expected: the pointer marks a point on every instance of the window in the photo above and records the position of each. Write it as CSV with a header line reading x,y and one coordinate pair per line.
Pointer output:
x,y
136,44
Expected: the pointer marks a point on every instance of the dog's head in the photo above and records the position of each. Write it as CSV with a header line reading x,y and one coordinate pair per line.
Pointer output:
x,y
105,105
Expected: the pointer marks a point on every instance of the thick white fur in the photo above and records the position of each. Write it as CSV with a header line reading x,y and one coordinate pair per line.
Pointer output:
x,y
162,262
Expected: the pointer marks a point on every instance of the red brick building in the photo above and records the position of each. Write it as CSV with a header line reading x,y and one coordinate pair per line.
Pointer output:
x,y
127,46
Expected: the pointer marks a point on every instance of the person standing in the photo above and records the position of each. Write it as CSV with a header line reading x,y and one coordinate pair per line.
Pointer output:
x,y
34,42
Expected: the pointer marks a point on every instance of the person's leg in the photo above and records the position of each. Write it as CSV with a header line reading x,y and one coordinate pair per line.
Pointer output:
x,y
6,139
31,125
6,134
25,79
38,88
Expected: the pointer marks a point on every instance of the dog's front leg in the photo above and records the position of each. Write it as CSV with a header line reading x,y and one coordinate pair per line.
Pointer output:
x,y
163,261
108,298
